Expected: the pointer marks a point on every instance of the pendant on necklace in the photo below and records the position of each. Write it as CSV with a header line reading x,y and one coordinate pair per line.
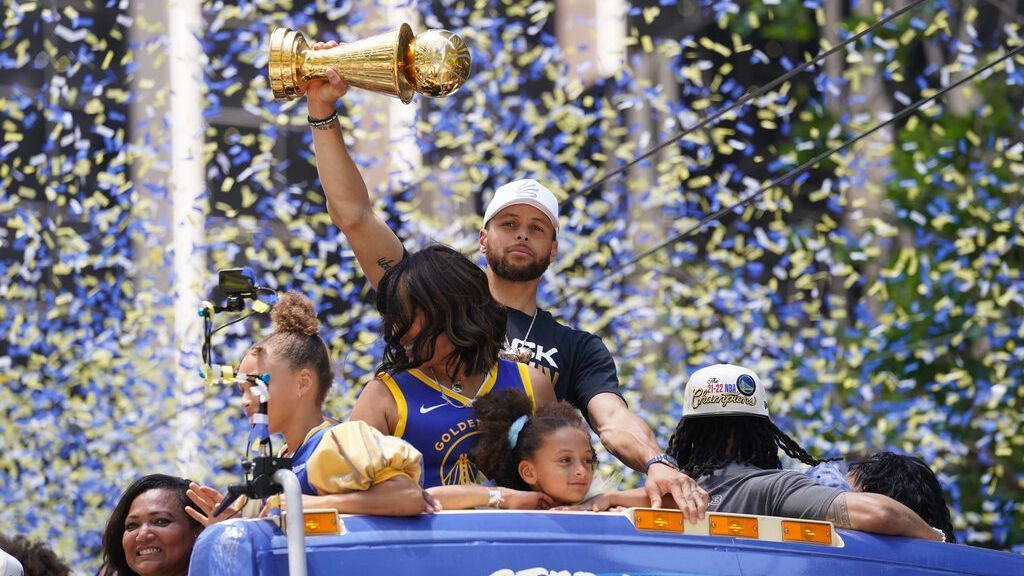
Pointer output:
x,y
525,354
520,354
456,387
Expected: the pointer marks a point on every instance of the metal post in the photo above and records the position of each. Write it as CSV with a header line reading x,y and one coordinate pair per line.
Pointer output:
x,y
296,526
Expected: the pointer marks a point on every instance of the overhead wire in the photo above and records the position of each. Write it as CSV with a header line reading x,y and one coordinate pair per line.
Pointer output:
x,y
614,271
749,96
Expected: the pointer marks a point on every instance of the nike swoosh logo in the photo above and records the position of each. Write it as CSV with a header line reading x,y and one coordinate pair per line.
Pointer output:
x,y
424,409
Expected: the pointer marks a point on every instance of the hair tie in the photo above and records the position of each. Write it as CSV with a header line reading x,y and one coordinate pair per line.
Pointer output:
x,y
515,429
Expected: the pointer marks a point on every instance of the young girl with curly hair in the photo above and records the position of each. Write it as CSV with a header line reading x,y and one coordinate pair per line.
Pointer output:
x,y
546,453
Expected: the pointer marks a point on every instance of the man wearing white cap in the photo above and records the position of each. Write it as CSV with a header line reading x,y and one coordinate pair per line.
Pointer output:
x,y
519,239
726,439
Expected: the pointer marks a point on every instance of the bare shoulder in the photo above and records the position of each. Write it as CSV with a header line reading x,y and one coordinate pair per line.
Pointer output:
x,y
538,377
543,391
376,406
376,386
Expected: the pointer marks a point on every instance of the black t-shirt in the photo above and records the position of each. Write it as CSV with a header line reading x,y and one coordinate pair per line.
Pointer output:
x,y
578,363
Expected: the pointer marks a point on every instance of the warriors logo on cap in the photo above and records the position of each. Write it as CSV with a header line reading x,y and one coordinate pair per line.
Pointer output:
x,y
724,390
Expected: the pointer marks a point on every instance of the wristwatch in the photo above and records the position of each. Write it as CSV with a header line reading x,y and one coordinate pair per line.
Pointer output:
x,y
663,459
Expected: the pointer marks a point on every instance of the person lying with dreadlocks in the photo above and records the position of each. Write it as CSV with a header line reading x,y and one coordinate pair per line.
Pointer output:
x,y
728,442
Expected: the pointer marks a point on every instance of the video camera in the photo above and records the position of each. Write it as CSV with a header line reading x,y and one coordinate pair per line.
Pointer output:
x,y
237,284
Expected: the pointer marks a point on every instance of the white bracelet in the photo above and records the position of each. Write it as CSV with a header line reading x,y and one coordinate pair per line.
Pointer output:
x,y
494,498
942,534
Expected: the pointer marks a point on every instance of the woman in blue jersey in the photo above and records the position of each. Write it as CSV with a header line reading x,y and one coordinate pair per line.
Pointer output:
x,y
350,467
443,332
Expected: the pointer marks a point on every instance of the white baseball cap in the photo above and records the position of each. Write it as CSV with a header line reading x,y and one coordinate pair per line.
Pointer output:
x,y
527,191
724,390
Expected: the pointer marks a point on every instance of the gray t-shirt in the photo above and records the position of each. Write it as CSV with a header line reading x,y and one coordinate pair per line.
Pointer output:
x,y
746,489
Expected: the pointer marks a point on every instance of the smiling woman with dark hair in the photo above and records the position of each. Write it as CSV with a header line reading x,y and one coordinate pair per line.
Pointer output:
x,y
149,531
443,331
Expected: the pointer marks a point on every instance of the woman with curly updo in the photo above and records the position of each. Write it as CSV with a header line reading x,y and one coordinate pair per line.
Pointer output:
x,y
350,467
443,331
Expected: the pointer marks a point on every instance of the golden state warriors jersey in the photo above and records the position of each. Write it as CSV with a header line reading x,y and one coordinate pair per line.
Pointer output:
x,y
442,424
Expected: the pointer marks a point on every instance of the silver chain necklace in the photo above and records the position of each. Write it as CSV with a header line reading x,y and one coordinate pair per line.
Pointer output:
x,y
520,353
456,387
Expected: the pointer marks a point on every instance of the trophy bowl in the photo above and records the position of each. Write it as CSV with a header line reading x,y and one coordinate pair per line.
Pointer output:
x,y
439,63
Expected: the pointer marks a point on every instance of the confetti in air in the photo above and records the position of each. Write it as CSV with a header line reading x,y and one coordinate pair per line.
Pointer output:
x,y
881,293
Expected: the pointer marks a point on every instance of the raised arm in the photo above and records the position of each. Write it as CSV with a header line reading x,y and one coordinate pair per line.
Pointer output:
x,y
376,246
879,514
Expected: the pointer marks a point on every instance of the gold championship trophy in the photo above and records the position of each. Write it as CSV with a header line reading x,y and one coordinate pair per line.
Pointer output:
x,y
396,63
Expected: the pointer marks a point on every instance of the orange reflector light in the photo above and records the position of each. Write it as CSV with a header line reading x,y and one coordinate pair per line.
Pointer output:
x,y
721,525
804,531
658,520
321,522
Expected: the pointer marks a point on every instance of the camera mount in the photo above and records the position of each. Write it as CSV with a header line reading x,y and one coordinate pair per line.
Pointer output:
x,y
238,285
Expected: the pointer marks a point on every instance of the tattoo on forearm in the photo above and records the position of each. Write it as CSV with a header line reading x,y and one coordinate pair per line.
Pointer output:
x,y
838,513
385,264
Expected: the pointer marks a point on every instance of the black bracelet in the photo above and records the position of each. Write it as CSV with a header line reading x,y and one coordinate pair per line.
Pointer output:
x,y
324,122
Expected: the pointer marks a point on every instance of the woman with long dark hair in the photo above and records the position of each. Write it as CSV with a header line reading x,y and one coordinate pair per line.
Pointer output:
x,y
443,331
149,531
